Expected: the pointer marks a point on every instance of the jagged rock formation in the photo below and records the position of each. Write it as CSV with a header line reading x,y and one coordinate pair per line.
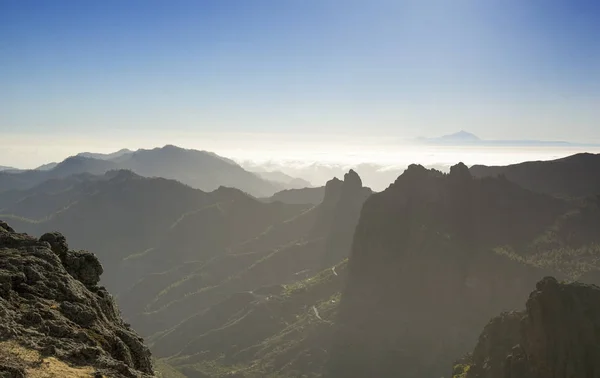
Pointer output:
x,y
52,308
558,335
346,211
426,271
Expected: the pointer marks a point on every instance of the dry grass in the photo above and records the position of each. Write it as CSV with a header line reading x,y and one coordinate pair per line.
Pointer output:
x,y
15,355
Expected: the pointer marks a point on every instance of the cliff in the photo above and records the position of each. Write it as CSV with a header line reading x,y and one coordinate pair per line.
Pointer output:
x,y
54,319
426,270
558,335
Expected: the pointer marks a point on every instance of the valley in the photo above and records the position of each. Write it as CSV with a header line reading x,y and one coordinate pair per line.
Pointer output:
x,y
223,283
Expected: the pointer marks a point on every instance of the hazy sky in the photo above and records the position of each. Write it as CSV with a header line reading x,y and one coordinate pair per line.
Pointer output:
x,y
161,71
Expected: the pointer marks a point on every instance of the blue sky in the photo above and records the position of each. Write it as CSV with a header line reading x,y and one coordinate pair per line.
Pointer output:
x,y
502,69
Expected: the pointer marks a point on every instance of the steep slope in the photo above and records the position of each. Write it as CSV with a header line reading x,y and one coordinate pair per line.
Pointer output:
x,y
346,213
210,232
276,331
47,198
426,271
55,320
558,335
283,253
573,176
47,166
120,215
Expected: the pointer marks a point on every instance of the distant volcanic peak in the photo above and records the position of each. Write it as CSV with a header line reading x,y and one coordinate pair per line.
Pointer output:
x,y
461,135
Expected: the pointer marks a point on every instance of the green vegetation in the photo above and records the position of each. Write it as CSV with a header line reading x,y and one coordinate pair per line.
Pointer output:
x,y
292,340
460,370
164,370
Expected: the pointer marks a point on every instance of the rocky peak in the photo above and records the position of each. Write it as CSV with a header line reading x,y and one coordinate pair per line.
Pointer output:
x,y
350,186
429,227
51,306
81,265
333,189
460,171
352,180
6,227
556,336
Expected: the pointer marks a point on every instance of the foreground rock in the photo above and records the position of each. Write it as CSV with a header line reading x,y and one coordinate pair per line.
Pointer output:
x,y
558,335
54,317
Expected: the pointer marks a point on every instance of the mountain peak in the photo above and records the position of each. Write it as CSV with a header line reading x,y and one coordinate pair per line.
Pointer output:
x,y
460,170
462,135
352,179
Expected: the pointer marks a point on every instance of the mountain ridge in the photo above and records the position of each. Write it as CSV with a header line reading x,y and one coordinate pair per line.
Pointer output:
x,y
200,169
572,176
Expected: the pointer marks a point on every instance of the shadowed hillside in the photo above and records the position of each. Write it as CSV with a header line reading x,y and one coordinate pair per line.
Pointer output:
x,y
71,166
429,266
271,253
558,335
297,196
573,176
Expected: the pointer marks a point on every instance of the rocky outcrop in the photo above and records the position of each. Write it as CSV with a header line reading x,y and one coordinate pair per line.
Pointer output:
x,y
426,271
50,305
558,335
339,213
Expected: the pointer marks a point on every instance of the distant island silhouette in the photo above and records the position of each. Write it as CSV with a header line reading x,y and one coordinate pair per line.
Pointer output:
x,y
466,138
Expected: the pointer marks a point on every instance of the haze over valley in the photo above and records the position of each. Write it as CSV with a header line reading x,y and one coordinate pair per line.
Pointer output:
x,y
299,189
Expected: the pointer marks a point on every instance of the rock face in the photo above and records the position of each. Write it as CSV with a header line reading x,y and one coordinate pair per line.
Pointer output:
x,y
351,196
50,304
425,274
558,335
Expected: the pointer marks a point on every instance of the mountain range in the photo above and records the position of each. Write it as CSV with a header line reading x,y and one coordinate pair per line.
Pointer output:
x,y
333,281
199,169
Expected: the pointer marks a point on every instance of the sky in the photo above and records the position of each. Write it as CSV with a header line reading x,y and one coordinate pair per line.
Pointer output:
x,y
239,75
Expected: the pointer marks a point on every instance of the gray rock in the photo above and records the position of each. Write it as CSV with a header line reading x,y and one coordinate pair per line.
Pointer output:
x,y
83,266
558,335
49,302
